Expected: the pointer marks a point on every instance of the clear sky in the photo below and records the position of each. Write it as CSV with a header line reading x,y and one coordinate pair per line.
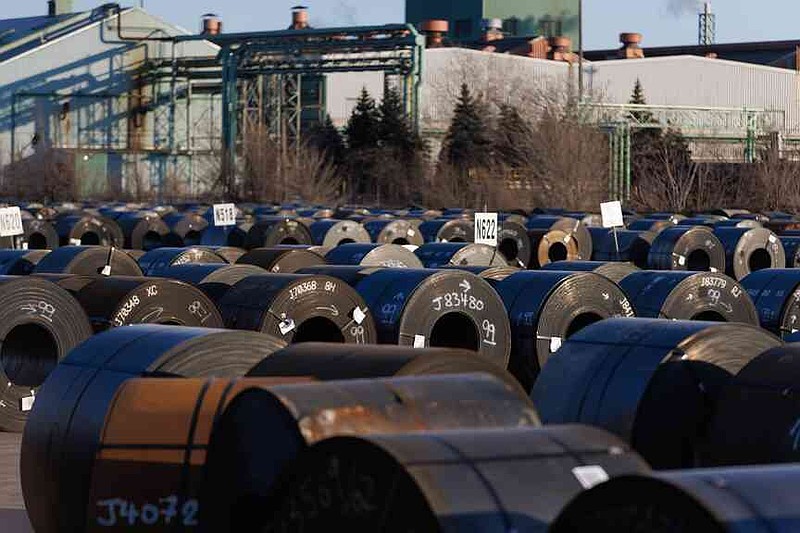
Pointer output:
x,y
663,22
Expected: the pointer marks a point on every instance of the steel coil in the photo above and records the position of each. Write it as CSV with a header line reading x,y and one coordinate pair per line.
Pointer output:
x,y
40,235
331,233
89,261
213,279
545,308
20,262
39,324
687,248
439,254
689,296
738,223
155,261
271,231
445,230
393,232
485,272
112,302
142,230
373,255
571,226
87,230
514,243
230,254
441,308
285,259
286,419
185,229
791,248
61,438
719,500
776,295
548,246
299,308
654,383
464,480
634,247
614,271
750,250
650,225
227,236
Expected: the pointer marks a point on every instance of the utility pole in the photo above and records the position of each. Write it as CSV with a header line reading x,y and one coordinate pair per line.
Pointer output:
x,y
580,51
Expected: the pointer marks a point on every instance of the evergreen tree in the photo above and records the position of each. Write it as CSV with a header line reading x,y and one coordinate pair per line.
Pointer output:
x,y
512,138
468,143
394,131
326,138
364,124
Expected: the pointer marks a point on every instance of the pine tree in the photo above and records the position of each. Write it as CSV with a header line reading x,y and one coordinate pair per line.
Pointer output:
x,y
394,131
326,138
512,138
364,123
468,143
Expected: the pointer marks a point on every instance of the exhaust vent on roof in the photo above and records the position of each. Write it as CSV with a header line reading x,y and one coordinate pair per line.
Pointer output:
x,y
59,7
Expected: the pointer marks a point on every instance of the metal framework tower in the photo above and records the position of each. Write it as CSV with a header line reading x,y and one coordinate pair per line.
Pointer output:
x,y
707,26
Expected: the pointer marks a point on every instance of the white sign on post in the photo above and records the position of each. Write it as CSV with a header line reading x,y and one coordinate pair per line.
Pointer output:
x,y
486,229
10,222
612,214
225,214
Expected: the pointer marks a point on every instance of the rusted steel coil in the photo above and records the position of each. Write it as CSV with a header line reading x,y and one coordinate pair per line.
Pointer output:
x,y
571,226
548,246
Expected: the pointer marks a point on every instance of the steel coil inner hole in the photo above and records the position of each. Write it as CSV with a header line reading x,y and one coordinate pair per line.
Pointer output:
x,y
345,241
456,239
90,238
509,249
455,330
759,260
557,252
401,241
709,316
318,329
581,321
192,238
28,354
37,241
698,261
289,240
151,239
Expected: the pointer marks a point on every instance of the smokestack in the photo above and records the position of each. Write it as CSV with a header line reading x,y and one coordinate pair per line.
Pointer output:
x,y
707,26
630,46
211,25
299,18
434,31
58,7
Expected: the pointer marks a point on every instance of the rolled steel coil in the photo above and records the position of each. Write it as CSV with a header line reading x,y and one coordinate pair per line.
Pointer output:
x,y
117,301
750,250
708,221
681,248
514,243
630,246
39,324
444,230
738,223
89,261
228,236
284,259
614,271
756,417
155,261
230,254
783,227
393,232
519,217
289,418
143,230
650,225
548,246
299,308
271,231
61,439
485,272
689,296
20,262
185,229
438,254
791,249
545,308
571,226
599,235
135,254
40,235
331,233
373,255
776,295
350,274
87,230
654,383
213,279
729,213
463,480
437,308
725,500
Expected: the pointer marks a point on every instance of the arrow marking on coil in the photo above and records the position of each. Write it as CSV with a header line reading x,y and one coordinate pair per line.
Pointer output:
x,y
465,285
332,308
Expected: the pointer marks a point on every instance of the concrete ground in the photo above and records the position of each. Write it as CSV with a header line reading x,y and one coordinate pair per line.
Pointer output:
x,y
12,509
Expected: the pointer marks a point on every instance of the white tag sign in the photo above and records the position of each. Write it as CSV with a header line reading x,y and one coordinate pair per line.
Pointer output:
x,y
26,403
611,212
589,476
10,222
224,214
486,229
359,315
419,341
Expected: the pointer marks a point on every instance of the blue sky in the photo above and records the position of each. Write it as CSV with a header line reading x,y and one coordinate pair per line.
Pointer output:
x,y
662,22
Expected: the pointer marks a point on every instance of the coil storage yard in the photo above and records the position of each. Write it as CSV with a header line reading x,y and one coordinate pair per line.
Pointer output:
x,y
360,369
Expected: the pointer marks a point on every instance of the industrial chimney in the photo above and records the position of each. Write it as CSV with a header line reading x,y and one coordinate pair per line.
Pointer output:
x,y
434,31
707,28
299,18
58,7
211,25
630,46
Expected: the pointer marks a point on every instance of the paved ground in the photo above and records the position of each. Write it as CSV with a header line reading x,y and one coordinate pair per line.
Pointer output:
x,y
12,510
